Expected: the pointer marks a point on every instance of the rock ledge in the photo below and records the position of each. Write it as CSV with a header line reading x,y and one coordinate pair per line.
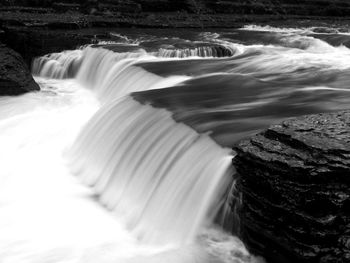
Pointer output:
x,y
295,185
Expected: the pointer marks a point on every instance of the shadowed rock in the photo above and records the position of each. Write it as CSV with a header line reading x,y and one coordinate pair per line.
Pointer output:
x,y
15,77
295,184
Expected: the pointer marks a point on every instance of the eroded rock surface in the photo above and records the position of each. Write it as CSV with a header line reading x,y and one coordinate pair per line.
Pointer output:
x,y
295,184
15,77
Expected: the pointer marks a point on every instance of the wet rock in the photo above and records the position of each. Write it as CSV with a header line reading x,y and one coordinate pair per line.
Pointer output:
x,y
295,185
32,42
15,77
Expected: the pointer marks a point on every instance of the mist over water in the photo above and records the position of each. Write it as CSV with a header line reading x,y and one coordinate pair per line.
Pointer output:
x,y
124,155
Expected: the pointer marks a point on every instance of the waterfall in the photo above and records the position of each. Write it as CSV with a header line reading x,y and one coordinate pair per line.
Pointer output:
x,y
95,66
204,51
160,176
112,75
107,73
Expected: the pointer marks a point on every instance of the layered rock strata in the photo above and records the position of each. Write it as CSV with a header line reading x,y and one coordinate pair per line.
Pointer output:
x,y
295,185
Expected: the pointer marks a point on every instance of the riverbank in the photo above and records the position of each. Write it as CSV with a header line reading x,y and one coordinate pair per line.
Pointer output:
x,y
34,34
50,19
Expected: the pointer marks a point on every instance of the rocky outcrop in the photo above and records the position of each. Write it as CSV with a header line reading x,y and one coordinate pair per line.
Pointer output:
x,y
15,77
295,185
33,42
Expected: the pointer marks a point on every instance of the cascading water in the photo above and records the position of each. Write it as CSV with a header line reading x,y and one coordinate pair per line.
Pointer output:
x,y
58,65
161,177
102,70
162,181
215,51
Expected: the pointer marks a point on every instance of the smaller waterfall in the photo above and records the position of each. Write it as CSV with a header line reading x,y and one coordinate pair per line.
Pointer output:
x,y
99,62
204,51
112,75
96,65
58,65
161,177
109,74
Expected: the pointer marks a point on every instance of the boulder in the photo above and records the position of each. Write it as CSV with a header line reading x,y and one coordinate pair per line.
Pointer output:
x,y
15,77
294,180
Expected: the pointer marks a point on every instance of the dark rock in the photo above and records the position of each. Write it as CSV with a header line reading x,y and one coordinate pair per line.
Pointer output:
x,y
295,185
34,42
121,6
15,77
64,7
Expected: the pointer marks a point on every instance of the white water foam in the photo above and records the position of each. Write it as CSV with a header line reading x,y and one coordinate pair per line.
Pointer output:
x,y
110,75
47,216
300,30
60,65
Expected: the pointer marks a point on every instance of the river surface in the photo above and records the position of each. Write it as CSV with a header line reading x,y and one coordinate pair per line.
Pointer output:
x,y
125,153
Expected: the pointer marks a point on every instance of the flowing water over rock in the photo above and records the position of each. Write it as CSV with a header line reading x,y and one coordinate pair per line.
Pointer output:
x,y
145,123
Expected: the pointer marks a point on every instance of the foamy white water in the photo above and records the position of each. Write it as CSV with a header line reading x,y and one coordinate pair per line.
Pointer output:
x,y
140,162
47,215
302,30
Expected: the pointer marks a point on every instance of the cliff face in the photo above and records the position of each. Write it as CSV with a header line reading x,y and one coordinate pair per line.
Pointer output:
x,y
32,27
295,184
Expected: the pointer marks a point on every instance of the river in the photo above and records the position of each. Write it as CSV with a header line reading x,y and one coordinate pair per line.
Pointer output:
x,y
125,153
